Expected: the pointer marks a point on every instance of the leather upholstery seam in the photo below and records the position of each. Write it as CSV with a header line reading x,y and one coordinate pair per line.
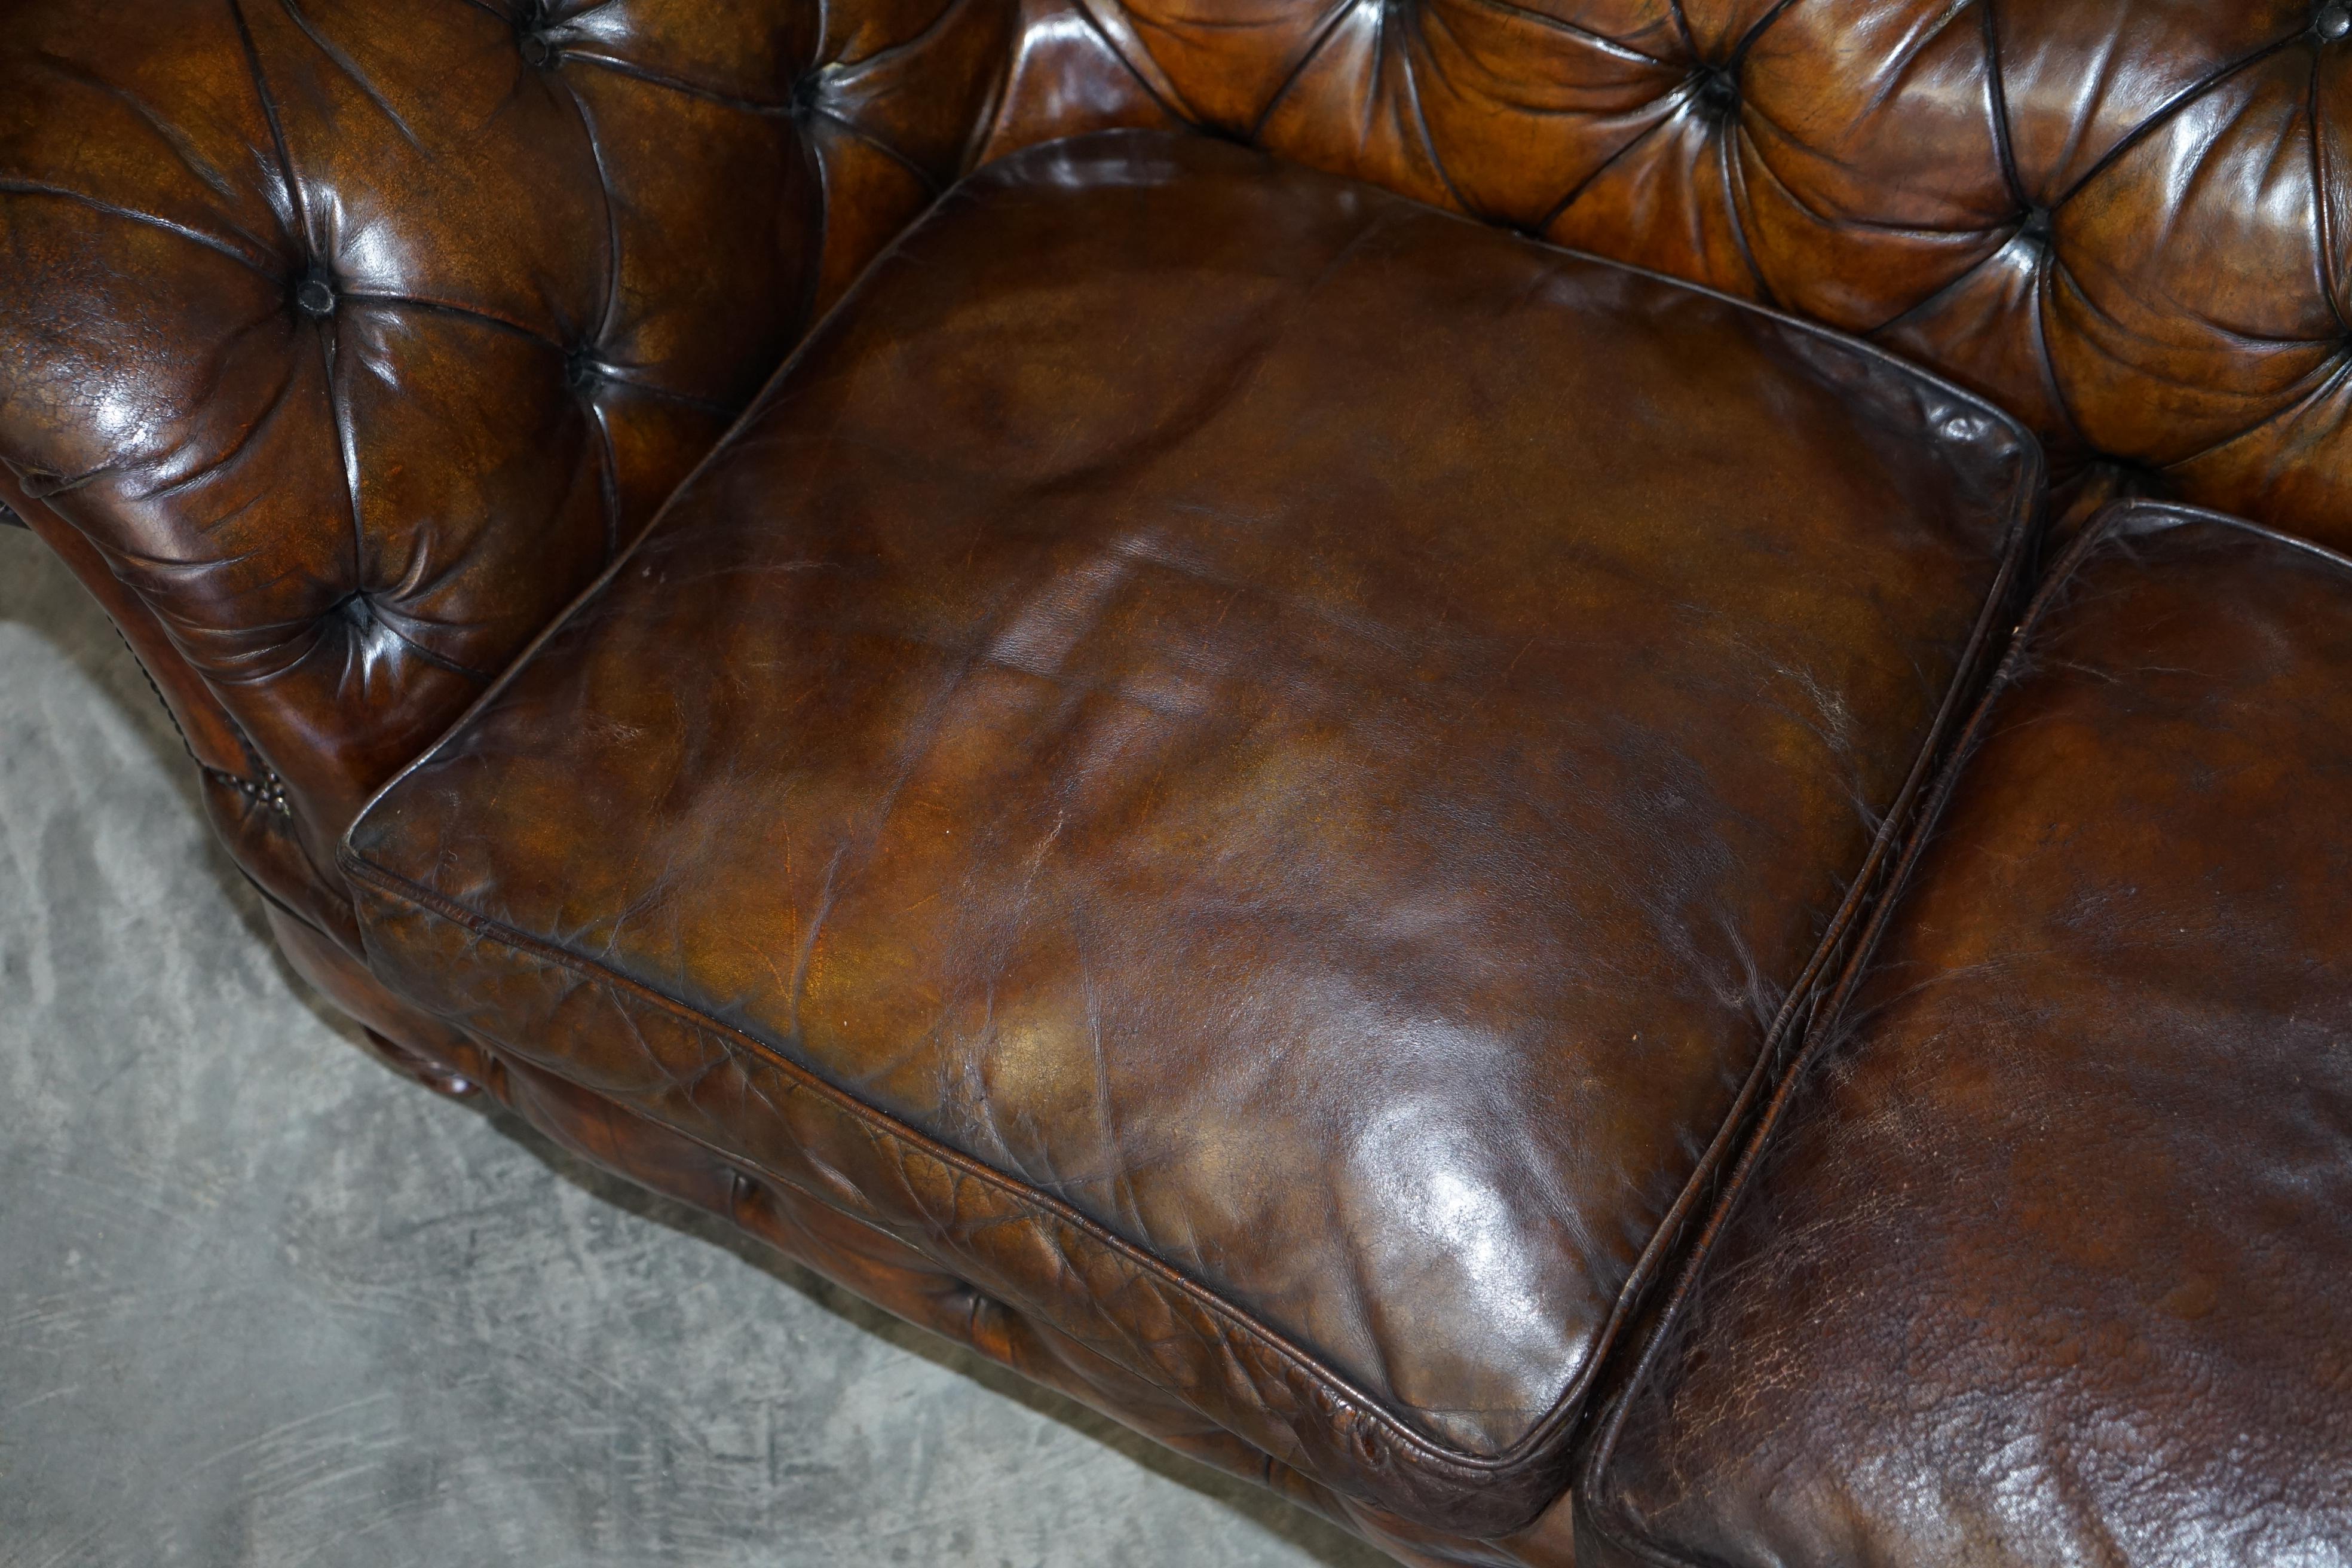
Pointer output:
x,y
1855,909
1414,1445
1588,1486
717,452
743,1167
1543,1436
1556,1426
2118,518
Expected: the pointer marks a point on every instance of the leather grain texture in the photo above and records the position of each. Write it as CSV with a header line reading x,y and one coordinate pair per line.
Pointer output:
x,y
343,343
2122,220
884,1269
1264,769
351,338
2044,1260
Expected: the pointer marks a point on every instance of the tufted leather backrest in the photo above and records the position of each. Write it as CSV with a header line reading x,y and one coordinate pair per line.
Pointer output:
x,y
2127,221
343,341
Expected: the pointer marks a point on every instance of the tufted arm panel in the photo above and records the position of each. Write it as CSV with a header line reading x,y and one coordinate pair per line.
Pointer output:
x,y
2127,221
343,341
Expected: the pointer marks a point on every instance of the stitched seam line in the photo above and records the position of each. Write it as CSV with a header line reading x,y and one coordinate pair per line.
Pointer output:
x,y
1869,878
742,1169
1050,1208
1533,1446
735,1162
1606,1520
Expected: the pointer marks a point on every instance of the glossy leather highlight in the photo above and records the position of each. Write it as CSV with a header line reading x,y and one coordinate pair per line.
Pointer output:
x,y
2122,220
434,303
2042,1259
1263,844
345,342
354,337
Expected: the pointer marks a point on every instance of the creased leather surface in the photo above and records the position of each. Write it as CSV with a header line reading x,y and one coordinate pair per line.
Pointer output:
x,y
2045,1260
550,248
2122,220
356,335
1275,843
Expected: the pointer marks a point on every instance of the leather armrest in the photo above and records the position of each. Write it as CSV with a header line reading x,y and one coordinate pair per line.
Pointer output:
x,y
343,345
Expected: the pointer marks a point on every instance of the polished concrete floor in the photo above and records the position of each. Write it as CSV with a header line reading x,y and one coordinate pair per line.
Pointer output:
x,y
262,1304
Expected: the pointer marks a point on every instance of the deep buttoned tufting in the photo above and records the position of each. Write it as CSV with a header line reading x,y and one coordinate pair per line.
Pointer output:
x,y
353,335
345,343
2124,222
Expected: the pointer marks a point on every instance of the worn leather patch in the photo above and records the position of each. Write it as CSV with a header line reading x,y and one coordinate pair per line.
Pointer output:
x,y
1258,769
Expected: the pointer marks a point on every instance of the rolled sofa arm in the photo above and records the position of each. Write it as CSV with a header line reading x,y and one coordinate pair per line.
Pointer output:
x,y
343,341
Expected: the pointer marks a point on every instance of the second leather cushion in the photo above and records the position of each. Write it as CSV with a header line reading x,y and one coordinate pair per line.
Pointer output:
x,y
1255,768
2042,1258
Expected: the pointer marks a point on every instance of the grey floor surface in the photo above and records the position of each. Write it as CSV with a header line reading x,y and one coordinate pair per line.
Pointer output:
x,y
264,1305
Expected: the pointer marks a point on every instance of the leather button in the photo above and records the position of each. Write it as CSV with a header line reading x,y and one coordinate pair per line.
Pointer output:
x,y
438,1077
531,20
583,372
1394,668
807,95
2334,20
1716,93
314,296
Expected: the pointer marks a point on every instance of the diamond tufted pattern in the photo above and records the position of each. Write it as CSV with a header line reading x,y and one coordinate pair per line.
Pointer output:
x,y
2124,220
1261,843
356,335
345,342
353,336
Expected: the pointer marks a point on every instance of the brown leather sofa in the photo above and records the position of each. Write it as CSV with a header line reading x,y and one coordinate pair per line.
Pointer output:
x,y
1570,772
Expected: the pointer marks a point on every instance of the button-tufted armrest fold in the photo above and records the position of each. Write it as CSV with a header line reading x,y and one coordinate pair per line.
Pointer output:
x,y
353,337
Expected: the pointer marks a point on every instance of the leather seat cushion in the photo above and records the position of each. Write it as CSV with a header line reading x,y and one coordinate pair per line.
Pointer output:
x,y
1257,768
2046,1259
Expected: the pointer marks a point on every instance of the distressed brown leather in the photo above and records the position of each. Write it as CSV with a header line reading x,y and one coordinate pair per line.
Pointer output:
x,y
2043,1256
883,1271
354,337
1258,842
550,248
2123,220
343,343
